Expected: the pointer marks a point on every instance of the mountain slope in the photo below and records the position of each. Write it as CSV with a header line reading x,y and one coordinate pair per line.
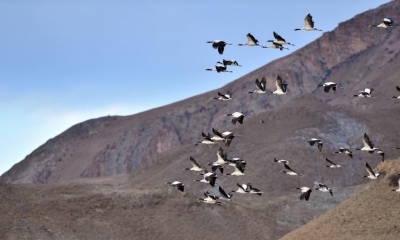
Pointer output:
x,y
371,214
116,145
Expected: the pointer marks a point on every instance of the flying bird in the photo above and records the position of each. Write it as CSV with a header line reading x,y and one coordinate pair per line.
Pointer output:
x,y
237,117
227,137
251,41
226,195
371,174
368,146
281,86
177,184
328,85
387,23
239,169
220,45
333,165
224,97
260,86
276,45
308,24
345,151
242,188
221,157
398,89
216,166
279,40
212,199
208,177
232,162
365,94
281,161
219,67
322,187
290,171
196,167
316,140
230,63
206,140
255,190
305,193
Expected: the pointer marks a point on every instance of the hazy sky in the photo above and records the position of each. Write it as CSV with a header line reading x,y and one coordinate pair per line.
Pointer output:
x,y
63,62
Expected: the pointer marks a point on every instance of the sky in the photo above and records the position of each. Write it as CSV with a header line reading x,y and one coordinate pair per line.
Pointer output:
x,y
64,62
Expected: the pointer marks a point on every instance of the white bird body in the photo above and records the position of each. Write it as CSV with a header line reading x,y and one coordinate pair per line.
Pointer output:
x,y
365,94
227,137
206,140
224,97
251,41
290,171
316,140
322,187
276,46
239,169
211,199
328,85
260,86
281,86
221,157
208,177
305,193
237,117
387,23
196,167
280,40
371,174
345,151
308,24
333,165
242,188
219,67
368,146
281,161
177,184
232,62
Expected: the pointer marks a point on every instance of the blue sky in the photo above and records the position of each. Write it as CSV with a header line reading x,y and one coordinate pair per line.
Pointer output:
x,y
63,62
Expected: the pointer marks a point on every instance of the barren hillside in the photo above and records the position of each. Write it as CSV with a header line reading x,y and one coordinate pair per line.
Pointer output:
x,y
353,55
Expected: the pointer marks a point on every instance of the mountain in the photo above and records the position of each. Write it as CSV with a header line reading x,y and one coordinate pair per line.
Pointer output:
x,y
370,214
105,178
353,55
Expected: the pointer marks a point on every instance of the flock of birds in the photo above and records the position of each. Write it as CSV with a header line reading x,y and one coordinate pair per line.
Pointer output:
x,y
238,164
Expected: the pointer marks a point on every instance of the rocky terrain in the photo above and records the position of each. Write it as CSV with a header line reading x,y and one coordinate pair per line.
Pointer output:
x,y
105,178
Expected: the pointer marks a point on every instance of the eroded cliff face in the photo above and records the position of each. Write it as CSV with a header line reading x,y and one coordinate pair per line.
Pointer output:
x,y
115,145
